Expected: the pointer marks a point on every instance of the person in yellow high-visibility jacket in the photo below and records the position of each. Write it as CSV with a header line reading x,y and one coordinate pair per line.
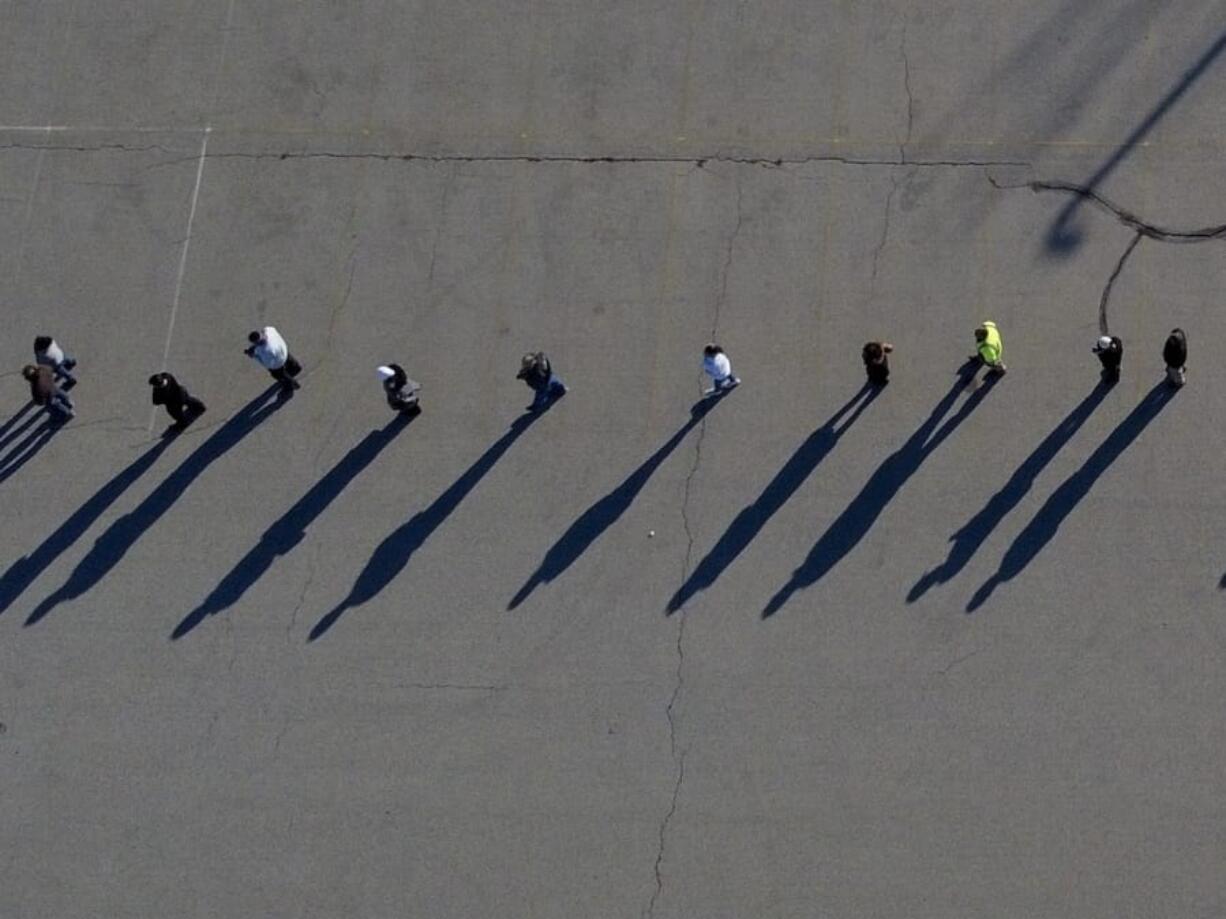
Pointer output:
x,y
990,348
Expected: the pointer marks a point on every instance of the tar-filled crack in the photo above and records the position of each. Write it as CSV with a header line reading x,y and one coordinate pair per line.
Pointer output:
x,y
1142,229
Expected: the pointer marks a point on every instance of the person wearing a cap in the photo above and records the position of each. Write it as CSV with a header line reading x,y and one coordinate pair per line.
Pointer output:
x,y
181,405
537,372
876,361
718,367
1175,353
1110,351
990,349
269,348
401,392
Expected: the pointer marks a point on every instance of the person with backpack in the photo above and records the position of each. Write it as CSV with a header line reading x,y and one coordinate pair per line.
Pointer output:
x,y
401,392
989,347
876,361
1175,353
536,371
1110,351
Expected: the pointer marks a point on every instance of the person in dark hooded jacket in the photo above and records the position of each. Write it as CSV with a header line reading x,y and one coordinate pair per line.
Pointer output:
x,y
181,405
877,362
1175,353
537,372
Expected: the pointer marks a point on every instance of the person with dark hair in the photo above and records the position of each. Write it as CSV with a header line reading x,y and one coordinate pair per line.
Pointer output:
x,y
1110,351
401,392
1175,353
269,348
48,353
46,392
989,348
537,372
718,367
876,361
181,405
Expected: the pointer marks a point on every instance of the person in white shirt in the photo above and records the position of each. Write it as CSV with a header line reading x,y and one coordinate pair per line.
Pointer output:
x,y
270,349
717,366
48,353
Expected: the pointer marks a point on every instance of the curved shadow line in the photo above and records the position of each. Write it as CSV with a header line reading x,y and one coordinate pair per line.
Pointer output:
x,y
1043,526
968,539
393,554
858,518
110,548
290,528
604,513
746,526
21,573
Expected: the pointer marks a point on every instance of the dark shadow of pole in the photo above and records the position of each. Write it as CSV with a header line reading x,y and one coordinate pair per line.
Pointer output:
x,y
8,425
1063,238
851,526
605,512
392,555
1039,532
109,549
21,573
25,450
290,529
749,522
967,540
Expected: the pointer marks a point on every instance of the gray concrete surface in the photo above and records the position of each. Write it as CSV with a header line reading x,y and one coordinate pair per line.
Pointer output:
x,y
449,184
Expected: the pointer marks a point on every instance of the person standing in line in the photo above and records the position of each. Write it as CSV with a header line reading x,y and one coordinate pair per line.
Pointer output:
x,y
1110,351
46,392
990,349
401,392
270,349
876,361
716,365
48,353
537,372
1175,353
181,405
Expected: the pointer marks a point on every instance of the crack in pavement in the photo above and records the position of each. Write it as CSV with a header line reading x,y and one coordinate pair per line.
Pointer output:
x,y
438,230
458,687
1106,297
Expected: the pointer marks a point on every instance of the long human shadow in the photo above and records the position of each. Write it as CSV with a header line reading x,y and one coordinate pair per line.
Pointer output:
x,y
26,449
1040,530
21,413
109,548
393,554
604,513
21,573
967,540
749,522
290,529
1062,238
857,519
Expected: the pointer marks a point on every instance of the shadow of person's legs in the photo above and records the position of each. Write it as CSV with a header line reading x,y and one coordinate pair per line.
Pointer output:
x,y
393,554
749,522
1042,528
851,526
605,512
110,548
967,540
290,529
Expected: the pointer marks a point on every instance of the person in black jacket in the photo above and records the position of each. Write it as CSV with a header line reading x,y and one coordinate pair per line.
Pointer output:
x,y
401,392
876,361
536,371
1175,353
1110,351
181,405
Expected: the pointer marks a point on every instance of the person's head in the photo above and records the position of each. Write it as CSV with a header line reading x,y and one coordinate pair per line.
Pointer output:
x,y
158,379
712,349
385,373
526,364
873,351
1177,333
29,371
981,334
1103,343
255,337
42,343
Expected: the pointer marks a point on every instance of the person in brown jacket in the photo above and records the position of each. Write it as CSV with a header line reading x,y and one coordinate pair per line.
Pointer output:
x,y
45,391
